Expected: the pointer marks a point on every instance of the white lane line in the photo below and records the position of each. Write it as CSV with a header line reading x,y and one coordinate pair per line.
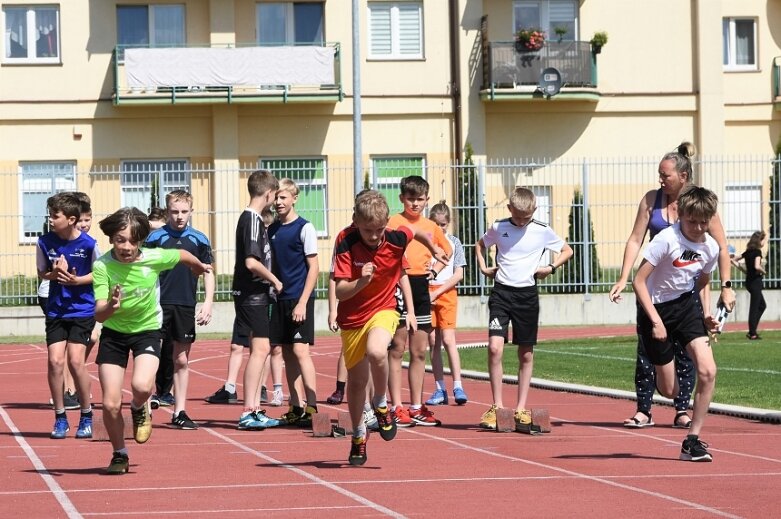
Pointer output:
x,y
579,475
59,494
232,510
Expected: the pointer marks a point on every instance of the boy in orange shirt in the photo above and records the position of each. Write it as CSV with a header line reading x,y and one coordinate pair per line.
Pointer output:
x,y
421,270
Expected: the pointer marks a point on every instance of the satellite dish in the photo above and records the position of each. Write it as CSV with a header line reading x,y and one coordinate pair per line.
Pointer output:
x,y
550,82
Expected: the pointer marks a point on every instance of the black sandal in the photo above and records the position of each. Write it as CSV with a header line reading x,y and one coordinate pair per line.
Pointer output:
x,y
636,423
677,424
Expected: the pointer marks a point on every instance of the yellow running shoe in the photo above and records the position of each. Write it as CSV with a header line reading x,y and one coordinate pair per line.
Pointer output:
x,y
142,423
488,420
523,417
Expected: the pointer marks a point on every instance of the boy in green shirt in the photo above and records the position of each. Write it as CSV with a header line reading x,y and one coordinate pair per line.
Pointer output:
x,y
126,285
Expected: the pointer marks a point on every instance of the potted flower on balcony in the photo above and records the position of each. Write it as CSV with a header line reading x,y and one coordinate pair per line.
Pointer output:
x,y
598,41
529,40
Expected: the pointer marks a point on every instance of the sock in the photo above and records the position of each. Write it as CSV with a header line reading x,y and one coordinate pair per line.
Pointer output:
x,y
380,401
691,437
414,407
230,388
340,386
133,406
59,412
457,384
123,450
87,412
367,407
359,432
441,385
277,387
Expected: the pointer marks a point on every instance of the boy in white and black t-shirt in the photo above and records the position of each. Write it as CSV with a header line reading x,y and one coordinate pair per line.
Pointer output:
x,y
670,285
520,244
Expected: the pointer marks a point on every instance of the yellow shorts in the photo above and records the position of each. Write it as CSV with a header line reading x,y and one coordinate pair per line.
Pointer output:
x,y
354,341
444,310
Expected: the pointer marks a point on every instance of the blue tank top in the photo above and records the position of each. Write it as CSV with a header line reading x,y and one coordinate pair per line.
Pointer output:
x,y
288,257
657,223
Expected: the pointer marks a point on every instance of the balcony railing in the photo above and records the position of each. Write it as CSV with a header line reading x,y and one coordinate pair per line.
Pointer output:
x,y
227,74
505,67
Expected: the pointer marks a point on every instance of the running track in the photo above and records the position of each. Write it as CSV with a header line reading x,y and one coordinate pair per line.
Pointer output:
x,y
589,466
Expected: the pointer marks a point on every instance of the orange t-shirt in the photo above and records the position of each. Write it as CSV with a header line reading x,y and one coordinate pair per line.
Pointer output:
x,y
418,256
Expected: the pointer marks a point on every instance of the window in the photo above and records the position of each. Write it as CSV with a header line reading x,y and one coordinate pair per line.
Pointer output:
x,y
150,26
387,173
739,43
32,34
145,183
742,210
309,175
547,15
285,23
396,30
39,181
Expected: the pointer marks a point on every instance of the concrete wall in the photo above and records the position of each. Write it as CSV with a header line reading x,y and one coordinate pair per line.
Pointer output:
x,y
556,310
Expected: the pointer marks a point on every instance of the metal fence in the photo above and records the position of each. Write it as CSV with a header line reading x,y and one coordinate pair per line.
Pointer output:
x,y
592,202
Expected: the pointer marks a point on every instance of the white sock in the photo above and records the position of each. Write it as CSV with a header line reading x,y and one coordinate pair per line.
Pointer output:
x,y
367,406
380,401
230,388
123,450
441,385
360,431
457,384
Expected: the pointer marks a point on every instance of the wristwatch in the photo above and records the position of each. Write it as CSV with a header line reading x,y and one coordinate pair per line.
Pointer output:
x,y
433,273
726,284
552,268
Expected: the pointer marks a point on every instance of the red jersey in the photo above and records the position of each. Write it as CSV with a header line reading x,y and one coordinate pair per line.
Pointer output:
x,y
350,255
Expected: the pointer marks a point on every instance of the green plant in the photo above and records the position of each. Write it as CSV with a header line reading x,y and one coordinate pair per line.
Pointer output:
x,y
599,40
774,234
576,238
529,39
467,215
560,32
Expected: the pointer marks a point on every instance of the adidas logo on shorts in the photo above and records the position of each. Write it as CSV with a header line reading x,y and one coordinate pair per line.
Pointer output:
x,y
494,324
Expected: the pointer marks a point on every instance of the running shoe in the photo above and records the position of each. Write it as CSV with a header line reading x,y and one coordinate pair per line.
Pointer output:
x,y
370,420
423,416
167,400
142,423
256,421
305,420
85,426
182,421
154,401
460,396
61,427
266,421
277,398
439,397
358,450
385,423
263,395
336,398
401,417
488,420
222,396
694,449
523,420
71,400
292,416
119,464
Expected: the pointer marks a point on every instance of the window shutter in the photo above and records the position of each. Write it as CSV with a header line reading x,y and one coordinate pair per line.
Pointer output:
x,y
409,29
380,29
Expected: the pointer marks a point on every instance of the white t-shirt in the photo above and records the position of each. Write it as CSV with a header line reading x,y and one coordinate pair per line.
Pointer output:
x,y
677,263
458,260
519,250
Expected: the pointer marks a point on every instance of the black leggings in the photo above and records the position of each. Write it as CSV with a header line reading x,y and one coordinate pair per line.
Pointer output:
x,y
645,379
756,306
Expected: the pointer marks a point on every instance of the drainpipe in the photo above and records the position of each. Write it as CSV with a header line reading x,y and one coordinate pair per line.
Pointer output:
x,y
455,79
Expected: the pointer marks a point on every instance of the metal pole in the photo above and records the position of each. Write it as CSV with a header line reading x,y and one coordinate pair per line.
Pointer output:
x,y
357,151
586,234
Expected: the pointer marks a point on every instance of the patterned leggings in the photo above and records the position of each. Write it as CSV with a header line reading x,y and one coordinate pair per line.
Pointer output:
x,y
645,379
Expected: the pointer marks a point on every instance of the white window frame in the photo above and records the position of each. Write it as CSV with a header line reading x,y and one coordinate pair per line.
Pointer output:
x,y
321,184
152,167
545,18
31,32
729,45
48,186
741,209
290,23
394,8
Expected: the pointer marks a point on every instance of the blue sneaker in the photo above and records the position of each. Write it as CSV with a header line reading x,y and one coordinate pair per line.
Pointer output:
x,y
439,397
85,427
166,400
460,396
61,428
257,421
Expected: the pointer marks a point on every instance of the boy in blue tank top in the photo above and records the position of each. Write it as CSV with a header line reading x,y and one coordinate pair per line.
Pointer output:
x,y
294,261
64,257
178,291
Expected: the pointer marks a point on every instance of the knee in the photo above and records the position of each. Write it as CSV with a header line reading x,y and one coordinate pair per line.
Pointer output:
x,y
706,375
112,406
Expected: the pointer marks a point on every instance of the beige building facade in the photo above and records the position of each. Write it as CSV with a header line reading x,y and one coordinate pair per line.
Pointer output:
x,y
119,99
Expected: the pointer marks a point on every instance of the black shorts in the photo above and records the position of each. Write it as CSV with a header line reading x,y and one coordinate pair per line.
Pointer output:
x,y
683,319
286,331
240,334
517,305
179,323
115,346
421,299
76,330
253,318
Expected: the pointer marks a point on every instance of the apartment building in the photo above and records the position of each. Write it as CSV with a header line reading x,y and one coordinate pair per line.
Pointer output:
x,y
126,99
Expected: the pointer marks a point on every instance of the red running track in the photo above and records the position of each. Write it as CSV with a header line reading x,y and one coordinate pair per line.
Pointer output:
x,y
590,466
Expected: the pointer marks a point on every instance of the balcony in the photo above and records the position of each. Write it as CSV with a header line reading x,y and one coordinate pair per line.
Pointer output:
x,y
227,74
512,75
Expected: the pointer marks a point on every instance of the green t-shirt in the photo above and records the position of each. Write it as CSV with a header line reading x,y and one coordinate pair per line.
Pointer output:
x,y
139,308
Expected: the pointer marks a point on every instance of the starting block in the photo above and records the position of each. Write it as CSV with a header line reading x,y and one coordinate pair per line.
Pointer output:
x,y
505,420
345,422
321,425
540,423
99,432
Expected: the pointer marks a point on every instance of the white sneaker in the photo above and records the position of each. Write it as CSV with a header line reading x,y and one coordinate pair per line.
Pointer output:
x,y
370,420
277,398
